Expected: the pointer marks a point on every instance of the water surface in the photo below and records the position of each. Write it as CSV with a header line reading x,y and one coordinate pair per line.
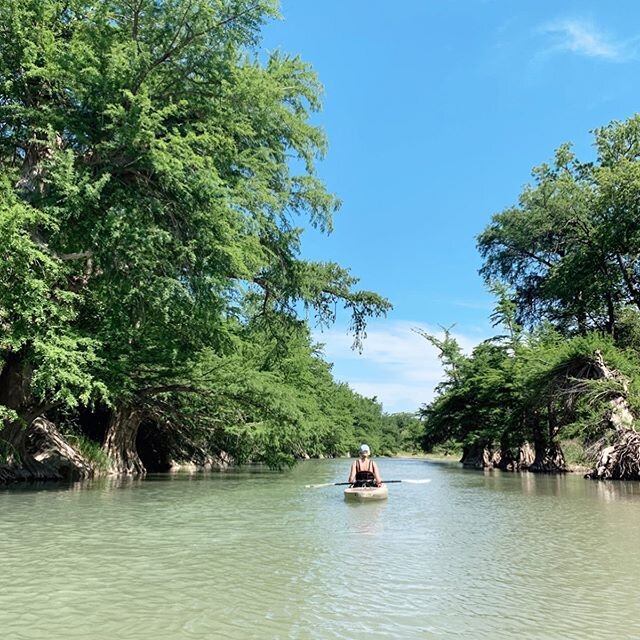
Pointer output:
x,y
256,555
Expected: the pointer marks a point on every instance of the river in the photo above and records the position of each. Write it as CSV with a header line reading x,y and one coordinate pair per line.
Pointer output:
x,y
254,554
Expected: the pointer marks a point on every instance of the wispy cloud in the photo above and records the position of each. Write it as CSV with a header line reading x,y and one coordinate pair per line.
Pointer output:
x,y
583,38
397,365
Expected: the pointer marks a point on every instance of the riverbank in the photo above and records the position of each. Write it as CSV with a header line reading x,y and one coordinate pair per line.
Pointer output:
x,y
572,467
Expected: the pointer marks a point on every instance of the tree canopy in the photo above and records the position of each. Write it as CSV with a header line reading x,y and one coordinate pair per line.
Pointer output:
x,y
156,171
564,266
569,249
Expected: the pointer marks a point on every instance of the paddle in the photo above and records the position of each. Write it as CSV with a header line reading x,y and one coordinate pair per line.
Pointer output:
x,y
342,484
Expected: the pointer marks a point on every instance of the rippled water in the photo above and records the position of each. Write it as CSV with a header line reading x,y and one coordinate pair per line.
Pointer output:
x,y
256,555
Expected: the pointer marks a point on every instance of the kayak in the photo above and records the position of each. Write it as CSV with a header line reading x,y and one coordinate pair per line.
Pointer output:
x,y
366,493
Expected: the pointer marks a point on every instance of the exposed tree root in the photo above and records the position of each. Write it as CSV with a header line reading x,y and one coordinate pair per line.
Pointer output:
x,y
621,459
47,456
477,456
48,446
486,457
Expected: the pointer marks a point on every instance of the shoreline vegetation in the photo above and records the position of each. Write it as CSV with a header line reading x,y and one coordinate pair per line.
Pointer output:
x,y
157,170
453,459
558,386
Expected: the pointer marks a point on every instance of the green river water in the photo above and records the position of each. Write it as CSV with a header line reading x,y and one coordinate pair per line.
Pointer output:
x,y
254,554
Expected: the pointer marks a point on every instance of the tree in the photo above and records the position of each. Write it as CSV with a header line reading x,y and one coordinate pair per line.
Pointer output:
x,y
546,250
570,248
564,262
154,166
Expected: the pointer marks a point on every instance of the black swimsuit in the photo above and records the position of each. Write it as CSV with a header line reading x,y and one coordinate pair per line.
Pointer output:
x,y
364,477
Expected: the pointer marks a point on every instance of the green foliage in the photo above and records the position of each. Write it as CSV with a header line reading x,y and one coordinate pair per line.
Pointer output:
x,y
628,329
477,400
534,390
153,164
38,308
90,450
565,382
450,353
404,432
570,248
576,454
564,262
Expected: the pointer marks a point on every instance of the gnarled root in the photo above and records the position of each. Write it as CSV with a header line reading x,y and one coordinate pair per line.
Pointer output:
x,y
46,456
621,459
49,447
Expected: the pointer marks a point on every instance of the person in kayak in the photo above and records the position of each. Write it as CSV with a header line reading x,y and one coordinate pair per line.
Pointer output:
x,y
364,471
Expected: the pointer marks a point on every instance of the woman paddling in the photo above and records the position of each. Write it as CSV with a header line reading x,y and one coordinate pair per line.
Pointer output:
x,y
364,471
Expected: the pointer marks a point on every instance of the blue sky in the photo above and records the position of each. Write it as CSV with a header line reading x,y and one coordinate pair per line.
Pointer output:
x,y
436,111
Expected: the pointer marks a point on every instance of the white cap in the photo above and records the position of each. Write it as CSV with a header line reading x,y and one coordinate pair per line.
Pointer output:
x,y
364,448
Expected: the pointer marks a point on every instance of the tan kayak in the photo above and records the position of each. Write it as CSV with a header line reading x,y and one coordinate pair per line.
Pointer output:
x,y
366,493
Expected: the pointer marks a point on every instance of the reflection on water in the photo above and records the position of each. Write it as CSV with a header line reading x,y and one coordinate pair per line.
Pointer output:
x,y
613,491
365,518
253,554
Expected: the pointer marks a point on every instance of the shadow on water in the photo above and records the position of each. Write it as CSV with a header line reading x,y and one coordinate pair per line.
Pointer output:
x,y
109,483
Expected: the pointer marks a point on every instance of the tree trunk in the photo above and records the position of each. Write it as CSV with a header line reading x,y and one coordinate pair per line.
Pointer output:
x,y
611,316
12,442
581,317
120,442
478,456
620,417
15,394
521,460
526,456
549,459
41,453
